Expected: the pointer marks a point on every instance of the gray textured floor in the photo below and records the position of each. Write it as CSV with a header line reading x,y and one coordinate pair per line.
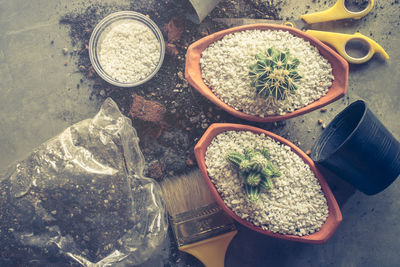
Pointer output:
x,y
37,102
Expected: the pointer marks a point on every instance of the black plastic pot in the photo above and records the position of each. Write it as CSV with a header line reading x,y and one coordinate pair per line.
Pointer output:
x,y
357,147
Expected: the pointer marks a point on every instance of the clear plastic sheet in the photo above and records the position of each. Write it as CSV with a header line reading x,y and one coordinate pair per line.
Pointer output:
x,y
82,196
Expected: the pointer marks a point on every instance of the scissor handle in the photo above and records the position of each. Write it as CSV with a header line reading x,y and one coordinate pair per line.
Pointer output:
x,y
336,12
339,41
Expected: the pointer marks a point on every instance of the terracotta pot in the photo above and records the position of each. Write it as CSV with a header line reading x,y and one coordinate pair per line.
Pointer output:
x,y
340,71
334,214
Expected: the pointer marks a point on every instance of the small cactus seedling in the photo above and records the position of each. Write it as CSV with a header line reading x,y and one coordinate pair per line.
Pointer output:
x,y
274,74
255,171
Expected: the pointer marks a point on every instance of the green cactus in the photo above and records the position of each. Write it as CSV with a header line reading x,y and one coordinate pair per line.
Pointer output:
x,y
246,165
266,184
274,74
249,153
252,192
253,178
236,158
275,171
255,170
265,172
265,153
258,162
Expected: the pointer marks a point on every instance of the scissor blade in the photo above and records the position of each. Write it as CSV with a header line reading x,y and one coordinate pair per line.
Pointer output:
x,y
232,22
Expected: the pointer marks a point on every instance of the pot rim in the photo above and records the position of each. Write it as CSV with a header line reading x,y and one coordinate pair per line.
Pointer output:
x,y
334,215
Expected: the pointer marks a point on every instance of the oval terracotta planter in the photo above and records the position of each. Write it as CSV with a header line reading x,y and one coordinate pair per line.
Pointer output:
x,y
340,71
334,214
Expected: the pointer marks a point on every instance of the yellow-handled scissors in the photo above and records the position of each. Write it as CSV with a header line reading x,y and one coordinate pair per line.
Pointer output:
x,y
337,40
340,40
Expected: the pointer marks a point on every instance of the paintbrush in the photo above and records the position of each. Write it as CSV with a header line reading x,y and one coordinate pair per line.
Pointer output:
x,y
200,226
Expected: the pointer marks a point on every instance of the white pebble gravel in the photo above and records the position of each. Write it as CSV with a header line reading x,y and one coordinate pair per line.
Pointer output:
x,y
225,66
129,51
295,205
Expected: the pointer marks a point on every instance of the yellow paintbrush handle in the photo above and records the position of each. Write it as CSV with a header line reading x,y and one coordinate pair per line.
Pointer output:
x,y
339,41
211,252
336,12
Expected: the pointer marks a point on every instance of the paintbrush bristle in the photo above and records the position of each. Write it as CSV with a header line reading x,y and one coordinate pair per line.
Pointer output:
x,y
185,193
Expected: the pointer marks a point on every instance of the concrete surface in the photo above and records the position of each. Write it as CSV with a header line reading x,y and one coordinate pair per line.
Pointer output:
x,y
39,98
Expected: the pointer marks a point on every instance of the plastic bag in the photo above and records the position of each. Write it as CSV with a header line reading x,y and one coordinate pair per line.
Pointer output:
x,y
82,196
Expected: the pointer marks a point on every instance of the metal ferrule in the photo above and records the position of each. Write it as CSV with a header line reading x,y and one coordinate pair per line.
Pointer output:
x,y
200,224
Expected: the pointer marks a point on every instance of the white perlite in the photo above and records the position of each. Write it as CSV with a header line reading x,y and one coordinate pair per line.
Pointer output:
x,y
294,205
129,52
225,66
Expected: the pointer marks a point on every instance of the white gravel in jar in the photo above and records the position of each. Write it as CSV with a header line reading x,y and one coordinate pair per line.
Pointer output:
x,y
129,51
225,66
295,204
